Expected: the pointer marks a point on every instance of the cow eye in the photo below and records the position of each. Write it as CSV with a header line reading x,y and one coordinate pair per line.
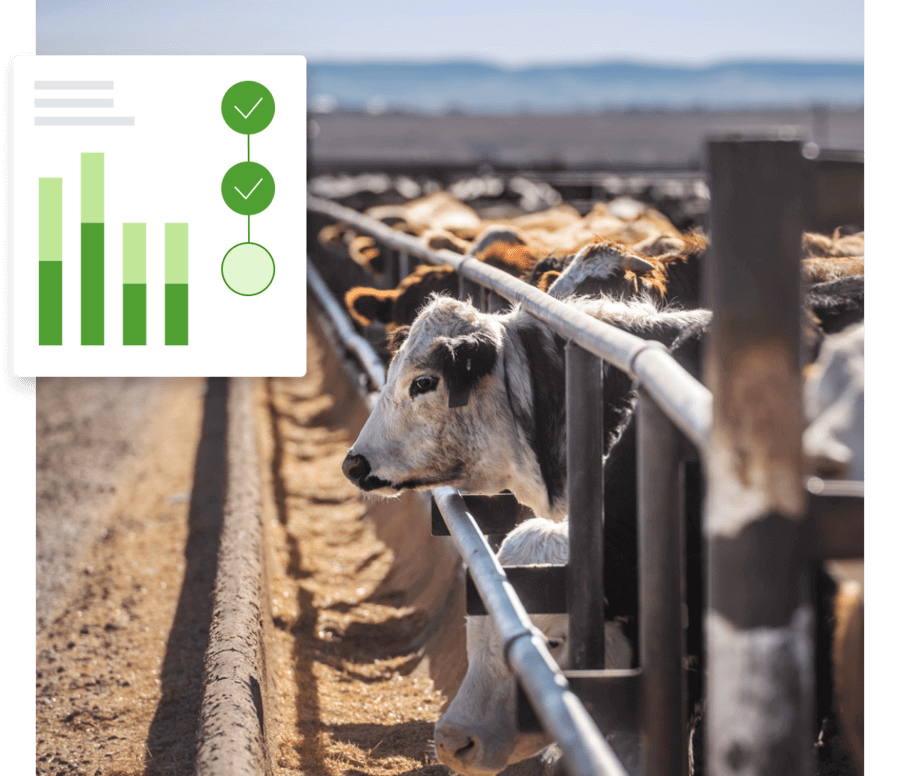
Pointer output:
x,y
423,384
555,643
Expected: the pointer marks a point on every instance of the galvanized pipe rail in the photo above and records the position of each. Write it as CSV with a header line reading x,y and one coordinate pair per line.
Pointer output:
x,y
356,344
686,401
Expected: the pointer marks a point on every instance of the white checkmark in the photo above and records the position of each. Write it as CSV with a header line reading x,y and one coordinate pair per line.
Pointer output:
x,y
249,192
249,111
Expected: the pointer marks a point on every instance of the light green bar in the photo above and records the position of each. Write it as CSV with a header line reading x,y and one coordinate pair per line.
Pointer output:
x,y
176,253
49,219
134,253
92,188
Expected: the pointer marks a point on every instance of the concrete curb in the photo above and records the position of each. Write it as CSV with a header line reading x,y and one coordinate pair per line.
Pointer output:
x,y
231,733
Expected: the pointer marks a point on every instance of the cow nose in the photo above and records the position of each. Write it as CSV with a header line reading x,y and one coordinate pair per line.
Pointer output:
x,y
355,468
454,744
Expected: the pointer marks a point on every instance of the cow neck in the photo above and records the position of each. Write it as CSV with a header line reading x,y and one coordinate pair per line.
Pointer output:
x,y
543,420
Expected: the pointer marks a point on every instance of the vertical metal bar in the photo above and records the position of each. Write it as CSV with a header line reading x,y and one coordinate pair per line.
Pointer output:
x,y
469,289
759,619
584,439
496,303
390,266
661,593
403,265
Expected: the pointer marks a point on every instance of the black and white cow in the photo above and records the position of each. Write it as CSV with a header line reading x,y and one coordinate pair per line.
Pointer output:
x,y
476,401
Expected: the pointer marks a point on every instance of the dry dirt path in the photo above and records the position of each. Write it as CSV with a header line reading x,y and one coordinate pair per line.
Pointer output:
x,y
118,667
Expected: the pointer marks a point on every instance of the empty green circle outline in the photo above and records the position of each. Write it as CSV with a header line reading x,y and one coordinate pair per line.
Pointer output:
x,y
225,258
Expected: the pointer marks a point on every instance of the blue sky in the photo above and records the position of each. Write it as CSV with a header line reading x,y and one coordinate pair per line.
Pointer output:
x,y
511,33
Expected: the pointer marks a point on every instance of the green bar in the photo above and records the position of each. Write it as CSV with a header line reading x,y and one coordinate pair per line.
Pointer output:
x,y
134,253
50,303
50,261
50,219
177,253
176,314
176,284
92,284
134,313
92,188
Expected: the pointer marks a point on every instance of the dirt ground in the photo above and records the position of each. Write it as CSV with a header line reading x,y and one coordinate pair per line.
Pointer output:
x,y
116,670
119,662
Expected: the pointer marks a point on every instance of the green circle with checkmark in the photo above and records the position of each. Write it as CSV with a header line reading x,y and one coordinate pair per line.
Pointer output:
x,y
248,188
248,107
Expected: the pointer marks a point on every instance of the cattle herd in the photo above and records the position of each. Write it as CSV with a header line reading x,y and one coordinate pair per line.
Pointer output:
x,y
476,401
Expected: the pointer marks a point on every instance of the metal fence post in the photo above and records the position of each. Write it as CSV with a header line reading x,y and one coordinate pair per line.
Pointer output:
x,y
469,289
390,275
759,619
584,439
661,592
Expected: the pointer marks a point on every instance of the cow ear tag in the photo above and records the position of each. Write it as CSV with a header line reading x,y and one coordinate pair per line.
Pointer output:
x,y
459,395
459,389
466,362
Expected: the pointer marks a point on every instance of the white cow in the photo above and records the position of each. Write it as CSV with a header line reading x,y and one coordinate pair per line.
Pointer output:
x,y
476,401
477,734
834,397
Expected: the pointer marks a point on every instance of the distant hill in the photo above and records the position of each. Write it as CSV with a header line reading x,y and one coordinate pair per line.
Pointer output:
x,y
479,87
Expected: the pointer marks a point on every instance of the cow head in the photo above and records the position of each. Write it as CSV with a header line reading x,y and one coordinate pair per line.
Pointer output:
x,y
602,268
442,393
477,735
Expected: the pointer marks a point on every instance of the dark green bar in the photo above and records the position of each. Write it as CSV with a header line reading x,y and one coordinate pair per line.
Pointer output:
x,y
134,313
50,303
92,284
176,313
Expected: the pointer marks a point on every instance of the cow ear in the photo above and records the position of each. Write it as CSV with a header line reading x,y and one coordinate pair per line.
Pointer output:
x,y
396,337
369,304
464,361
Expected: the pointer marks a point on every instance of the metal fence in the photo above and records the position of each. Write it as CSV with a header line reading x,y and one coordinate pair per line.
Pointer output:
x,y
760,523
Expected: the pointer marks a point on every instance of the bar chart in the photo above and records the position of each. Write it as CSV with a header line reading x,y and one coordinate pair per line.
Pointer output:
x,y
92,264
120,227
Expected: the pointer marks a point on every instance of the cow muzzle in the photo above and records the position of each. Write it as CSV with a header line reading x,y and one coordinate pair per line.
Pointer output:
x,y
357,469
459,748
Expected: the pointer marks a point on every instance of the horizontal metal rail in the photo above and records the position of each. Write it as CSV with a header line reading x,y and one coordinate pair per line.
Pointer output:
x,y
585,750
356,344
685,400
